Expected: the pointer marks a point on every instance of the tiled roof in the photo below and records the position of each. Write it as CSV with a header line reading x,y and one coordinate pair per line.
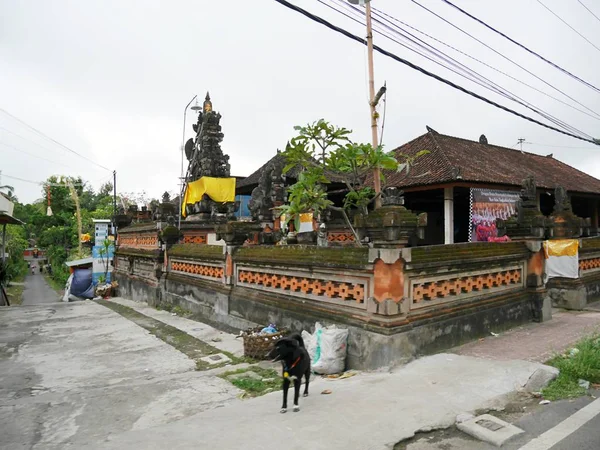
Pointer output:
x,y
254,178
454,159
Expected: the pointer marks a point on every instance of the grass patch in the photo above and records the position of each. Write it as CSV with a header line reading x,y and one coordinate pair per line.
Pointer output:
x,y
268,380
563,387
15,294
55,284
186,344
580,363
169,307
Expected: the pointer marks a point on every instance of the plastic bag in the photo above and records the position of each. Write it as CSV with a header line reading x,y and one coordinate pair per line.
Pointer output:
x,y
327,348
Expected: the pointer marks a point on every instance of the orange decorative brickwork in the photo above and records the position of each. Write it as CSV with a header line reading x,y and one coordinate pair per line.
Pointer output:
x,y
194,239
138,240
340,236
302,286
454,287
203,270
589,264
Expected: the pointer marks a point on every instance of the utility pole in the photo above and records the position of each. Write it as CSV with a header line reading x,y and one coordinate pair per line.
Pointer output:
x,y
115,202
372,100
520,141
374,138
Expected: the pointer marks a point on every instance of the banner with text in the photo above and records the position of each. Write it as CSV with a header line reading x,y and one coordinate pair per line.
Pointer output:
x,y
487,205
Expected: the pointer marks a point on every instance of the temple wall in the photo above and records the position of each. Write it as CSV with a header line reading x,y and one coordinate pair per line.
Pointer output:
x,y
397,303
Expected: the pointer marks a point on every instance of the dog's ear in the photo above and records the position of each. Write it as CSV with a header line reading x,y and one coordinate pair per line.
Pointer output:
x,y
294,343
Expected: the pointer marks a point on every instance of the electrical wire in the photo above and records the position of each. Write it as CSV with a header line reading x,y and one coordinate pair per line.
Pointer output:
x,y
384,115
35,156
559,146
25,139
565,22
470,74
422,70
556,66
392,18
488,84
39,183
589,10
503,56
53,140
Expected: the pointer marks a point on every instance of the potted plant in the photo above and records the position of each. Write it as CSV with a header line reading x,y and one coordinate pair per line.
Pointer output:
x,y
324,154
103,289
307,199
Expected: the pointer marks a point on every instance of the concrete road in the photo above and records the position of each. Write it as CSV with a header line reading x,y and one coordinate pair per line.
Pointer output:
x,y
74,373
562,425
370,411
37,291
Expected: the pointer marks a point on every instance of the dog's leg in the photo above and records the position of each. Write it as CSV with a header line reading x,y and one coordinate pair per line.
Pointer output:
x,y
307,376
297,383
286,386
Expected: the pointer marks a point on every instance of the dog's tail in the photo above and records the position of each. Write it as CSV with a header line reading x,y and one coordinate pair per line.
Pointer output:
x,y
298,337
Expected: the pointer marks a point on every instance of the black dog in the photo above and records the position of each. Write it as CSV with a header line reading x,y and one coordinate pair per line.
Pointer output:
x,y
295,363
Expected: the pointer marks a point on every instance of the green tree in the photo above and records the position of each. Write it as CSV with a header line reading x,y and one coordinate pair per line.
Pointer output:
x,y
325,154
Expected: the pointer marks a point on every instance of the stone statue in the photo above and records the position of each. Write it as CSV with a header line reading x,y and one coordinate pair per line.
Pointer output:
x,y
269,193
206,159
529,191
392,196
561,200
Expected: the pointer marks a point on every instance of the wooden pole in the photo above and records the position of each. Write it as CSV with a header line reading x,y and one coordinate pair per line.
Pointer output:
x,y
3,243
375,140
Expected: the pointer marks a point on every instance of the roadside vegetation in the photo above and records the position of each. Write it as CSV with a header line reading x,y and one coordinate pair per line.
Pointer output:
x,y
15,291
193,348
578,366
254,381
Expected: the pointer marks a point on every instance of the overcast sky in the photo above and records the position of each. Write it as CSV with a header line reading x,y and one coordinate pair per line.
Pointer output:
x,y
110,80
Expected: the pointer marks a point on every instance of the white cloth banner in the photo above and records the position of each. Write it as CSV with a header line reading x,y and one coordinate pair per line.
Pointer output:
x,y
562,266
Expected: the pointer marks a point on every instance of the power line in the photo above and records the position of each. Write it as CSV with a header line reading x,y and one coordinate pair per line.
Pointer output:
x,y
563,21
471,75
53,140
20,179
420,69
35,156
503,56
490,85
556,66
41,183
25,139
560,146
394,19
589,10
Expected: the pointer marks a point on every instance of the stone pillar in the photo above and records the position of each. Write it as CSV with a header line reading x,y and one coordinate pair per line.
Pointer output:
x,y
541,303
228,251
595,225
388,279
449,215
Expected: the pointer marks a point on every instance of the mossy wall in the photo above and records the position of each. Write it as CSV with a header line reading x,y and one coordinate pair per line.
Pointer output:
x,y
301,255
201,251
142,252
456,253
139,227
590,244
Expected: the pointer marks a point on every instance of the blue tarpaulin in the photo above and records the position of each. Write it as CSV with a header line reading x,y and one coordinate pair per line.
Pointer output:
x,y
82,286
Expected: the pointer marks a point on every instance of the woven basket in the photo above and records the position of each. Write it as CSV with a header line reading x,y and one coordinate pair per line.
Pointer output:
x,y
258,346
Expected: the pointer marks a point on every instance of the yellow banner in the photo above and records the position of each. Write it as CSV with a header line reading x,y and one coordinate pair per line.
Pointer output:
x,y
220,190
561,247
306,217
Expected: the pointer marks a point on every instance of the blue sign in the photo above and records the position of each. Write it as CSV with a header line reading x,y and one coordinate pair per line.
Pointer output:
x,y
100,263
96,251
